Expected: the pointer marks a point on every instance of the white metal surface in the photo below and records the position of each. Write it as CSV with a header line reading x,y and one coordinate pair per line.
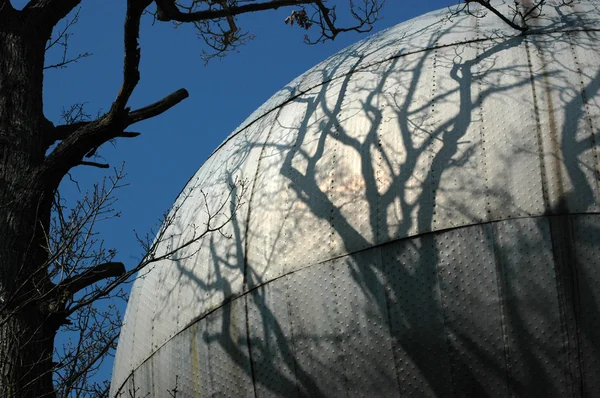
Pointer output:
x,y
400,210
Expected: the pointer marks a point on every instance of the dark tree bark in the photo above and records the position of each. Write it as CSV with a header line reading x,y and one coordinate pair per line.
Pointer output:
x,y
26,325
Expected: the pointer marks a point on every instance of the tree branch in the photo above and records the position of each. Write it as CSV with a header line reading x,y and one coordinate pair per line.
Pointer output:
x,y
129,134
100,272
510,23
325,18
94,164
64,131
82,138
158,107
97,357
167,10
131,73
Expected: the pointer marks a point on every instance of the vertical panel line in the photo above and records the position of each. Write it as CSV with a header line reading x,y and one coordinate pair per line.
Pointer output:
x,y
561,234
249,344
501,299
538,125
252,189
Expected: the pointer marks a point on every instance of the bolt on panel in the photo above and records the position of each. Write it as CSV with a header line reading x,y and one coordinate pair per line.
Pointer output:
x,y
223,352
588,64
168,372
145,314
284,191
292,181
190,377
351,126
204,288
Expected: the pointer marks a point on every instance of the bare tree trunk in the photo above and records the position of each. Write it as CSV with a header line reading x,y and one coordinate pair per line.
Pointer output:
x,y
26,327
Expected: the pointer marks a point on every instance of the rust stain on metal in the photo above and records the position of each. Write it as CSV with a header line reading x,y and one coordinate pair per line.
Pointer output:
x,y
195,361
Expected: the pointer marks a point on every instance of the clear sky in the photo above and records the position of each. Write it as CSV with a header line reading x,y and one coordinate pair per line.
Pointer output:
x,y
222,94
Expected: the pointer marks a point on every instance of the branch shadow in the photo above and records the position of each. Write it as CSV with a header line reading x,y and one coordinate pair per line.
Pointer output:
x,y
395,241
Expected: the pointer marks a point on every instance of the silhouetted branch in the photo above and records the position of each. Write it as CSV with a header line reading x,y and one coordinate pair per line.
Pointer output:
x,y
99,272
158,107
62,39
167,10
94,164
532,12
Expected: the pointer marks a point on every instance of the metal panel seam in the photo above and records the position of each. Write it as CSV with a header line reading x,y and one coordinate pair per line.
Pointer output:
x,y
249,343
260,157
487,225
538,126
444,318
292,340
577,310
393,341
484,153
501,299
232,298
562,279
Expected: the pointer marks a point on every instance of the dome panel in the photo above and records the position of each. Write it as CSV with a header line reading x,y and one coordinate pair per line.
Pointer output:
x,y
142,334
124,355
289,177
437,28
202,288
512,164
570,148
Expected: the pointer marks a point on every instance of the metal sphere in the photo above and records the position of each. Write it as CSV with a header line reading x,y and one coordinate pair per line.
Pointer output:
x,y
417,215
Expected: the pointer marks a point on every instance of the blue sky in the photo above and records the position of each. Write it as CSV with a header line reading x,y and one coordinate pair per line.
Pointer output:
x,y
222,94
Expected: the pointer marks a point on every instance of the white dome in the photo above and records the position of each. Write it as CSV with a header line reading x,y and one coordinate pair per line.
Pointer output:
x,y
421,217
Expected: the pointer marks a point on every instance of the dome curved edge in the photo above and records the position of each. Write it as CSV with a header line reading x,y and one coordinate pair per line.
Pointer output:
x,y
388,145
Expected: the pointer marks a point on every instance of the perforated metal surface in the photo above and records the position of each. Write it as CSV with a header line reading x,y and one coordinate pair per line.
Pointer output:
x,y
472,307
272,344
532,320
587,268
406,226
415,317
476,311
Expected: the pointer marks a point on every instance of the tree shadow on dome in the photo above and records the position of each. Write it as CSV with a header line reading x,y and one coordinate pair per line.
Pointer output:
x,y
354,207
418,224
